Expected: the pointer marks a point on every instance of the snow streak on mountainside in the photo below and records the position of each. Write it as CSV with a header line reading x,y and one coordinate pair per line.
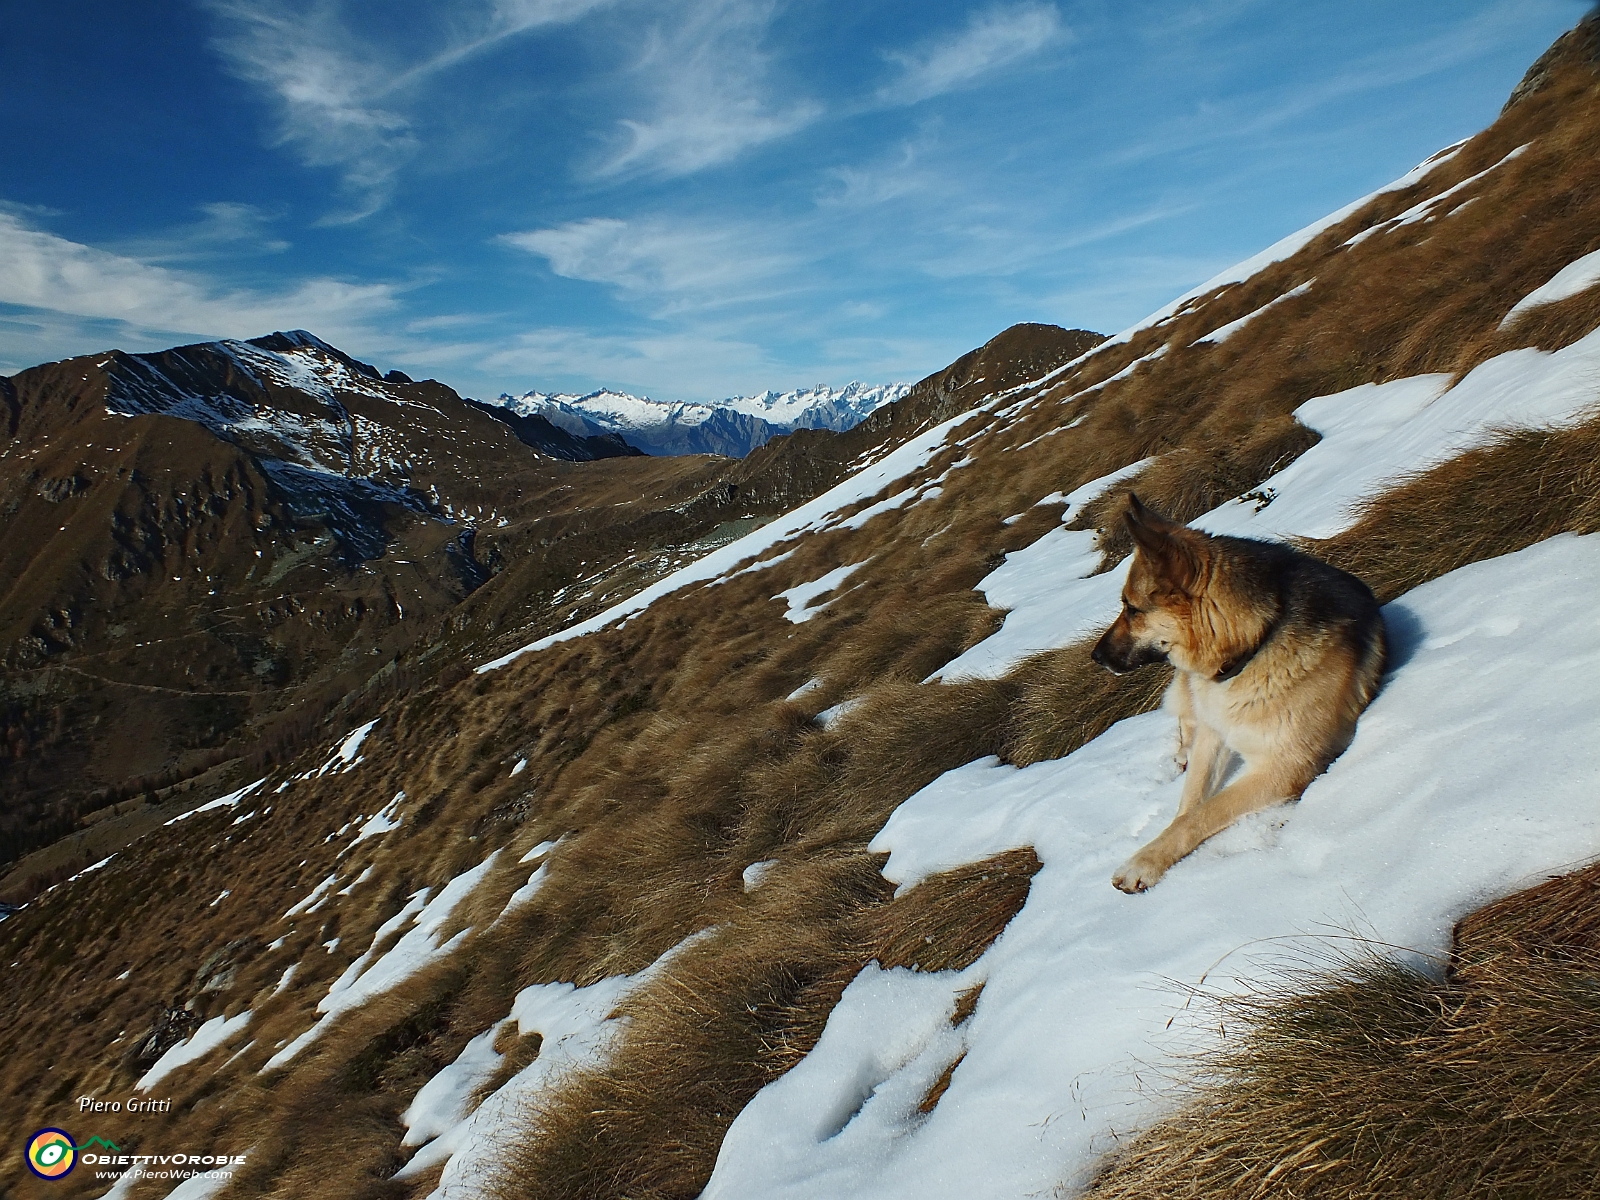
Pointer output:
x,y
732,427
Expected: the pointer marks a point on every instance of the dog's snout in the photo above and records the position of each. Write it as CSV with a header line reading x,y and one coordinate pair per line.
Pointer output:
x,y
1103,654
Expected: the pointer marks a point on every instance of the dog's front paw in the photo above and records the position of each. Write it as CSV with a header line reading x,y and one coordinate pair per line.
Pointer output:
x,y
1144,870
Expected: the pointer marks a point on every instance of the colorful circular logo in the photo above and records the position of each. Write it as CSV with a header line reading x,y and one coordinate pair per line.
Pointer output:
x,y
51,1153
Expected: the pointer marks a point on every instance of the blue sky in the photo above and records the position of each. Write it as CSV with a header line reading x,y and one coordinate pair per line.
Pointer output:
x,y
692,198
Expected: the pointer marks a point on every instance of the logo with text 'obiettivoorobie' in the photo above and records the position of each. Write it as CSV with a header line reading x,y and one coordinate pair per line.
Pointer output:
x,y
51,1154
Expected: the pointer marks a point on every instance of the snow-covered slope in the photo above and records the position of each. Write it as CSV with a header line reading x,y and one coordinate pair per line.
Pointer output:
x,y
733,427
1470,776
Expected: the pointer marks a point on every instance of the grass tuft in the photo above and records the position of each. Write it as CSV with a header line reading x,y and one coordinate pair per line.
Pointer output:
x,y
737,1008
1385,1081
1526,486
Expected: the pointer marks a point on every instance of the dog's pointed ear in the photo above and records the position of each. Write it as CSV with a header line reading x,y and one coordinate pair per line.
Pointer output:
x,y
1150,529
1166,542
1143,514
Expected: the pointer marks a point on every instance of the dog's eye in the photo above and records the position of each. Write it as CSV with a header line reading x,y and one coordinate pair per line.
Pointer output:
x,y
1130,609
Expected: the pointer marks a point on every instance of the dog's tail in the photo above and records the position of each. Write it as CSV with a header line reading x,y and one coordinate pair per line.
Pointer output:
x,y
1372,657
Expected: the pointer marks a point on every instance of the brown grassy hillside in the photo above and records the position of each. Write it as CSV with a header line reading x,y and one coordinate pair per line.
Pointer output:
x,y
665,755
170,609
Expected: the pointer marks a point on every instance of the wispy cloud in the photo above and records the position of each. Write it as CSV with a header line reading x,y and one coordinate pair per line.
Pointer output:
x,y
993,38
224,228
703,74
669,363
39,270
324,94
339,98
501,20
1251,115
673,264
900,173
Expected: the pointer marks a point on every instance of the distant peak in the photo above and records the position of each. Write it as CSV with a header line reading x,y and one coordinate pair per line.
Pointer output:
x,y
303,339
294,339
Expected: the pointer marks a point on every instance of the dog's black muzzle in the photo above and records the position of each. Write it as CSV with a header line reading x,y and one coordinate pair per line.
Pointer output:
x,y
1121,660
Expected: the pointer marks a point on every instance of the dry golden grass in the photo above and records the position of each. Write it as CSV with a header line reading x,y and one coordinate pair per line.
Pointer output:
x,y
1195,478
1547,327
1383,1081
1066,700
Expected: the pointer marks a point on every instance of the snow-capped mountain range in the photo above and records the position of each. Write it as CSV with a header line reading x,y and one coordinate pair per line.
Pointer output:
x,y
733,427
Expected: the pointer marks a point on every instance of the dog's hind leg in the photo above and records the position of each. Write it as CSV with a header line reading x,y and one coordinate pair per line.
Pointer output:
x,y
1273,783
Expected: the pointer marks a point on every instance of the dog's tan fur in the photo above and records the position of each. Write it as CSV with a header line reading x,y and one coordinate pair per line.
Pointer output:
x,y
1277,654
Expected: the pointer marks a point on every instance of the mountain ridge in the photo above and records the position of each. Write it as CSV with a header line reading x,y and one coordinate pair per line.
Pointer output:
x,y
250,534
732,427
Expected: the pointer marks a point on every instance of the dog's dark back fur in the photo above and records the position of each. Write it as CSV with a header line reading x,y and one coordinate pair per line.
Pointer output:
x,y
1313,594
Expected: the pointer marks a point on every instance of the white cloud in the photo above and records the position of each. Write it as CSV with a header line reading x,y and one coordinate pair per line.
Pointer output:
x,y
502,19
323,93
900,173
671,263
704,73
338,95
668,364
225,227
39,270
993,38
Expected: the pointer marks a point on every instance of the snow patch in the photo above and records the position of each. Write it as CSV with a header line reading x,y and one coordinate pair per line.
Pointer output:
x,y
829,717
349,752
578,1026
756,872
198,1044
1232,327
799,597
418,947
229,801
1050,588
1577,276
382,821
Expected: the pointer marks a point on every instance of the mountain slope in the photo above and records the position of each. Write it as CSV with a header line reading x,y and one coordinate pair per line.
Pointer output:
x,y
226,532
600,917
243,536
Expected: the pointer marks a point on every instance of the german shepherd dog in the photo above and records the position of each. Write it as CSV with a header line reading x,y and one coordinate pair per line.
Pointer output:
x,y
1277,653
